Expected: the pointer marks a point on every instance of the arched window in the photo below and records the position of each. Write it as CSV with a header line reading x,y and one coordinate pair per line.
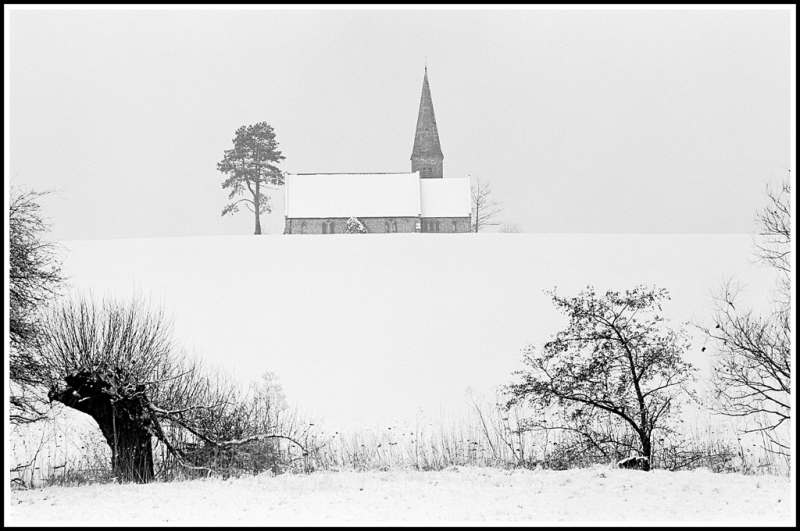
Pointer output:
x,y
331,227
437,226
394,225
324,227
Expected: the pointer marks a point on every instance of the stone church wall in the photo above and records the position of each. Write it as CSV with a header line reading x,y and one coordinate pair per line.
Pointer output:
x,y
373,225
446,224
428,167
376,225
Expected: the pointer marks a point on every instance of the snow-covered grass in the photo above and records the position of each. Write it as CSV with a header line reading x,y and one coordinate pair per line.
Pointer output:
x,y
70,450
456,494
372,332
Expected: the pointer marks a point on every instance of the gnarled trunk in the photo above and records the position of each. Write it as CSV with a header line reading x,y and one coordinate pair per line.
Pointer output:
x,y
131,448
122,413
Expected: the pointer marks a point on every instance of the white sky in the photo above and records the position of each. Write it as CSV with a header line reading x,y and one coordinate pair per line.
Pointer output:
x,y
583,120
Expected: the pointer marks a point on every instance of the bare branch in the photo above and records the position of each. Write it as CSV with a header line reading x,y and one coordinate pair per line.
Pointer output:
x,y
484,208
608,363
752,350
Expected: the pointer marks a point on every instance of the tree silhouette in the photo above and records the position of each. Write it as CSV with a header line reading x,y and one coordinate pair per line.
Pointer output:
x,y
617,358
484,208
251,166
34,280
751,350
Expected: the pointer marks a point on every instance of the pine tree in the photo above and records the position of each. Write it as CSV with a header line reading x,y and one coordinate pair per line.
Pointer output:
x,y
251,166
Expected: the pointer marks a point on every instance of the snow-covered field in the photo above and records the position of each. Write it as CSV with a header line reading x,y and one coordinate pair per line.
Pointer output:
x,y
383,328
456,494
390,330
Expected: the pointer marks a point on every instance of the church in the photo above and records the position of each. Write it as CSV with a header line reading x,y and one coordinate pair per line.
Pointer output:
x,y
419,201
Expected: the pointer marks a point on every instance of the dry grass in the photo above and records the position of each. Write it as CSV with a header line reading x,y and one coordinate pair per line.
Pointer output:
x,y
60,453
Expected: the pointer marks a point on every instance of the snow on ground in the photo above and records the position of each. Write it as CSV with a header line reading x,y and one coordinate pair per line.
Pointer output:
x,y
457,494
381,328
385,328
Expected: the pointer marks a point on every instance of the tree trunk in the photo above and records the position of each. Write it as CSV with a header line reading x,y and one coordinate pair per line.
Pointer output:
x,y
123,416
131,449
647,450
257,203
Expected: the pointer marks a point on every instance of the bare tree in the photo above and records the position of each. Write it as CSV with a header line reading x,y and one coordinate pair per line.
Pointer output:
x,y
118,364
484,208
751,355
510,227
614,360
773,242
34,280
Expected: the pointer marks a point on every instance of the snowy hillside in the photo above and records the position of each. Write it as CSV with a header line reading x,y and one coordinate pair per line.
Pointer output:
x,y
380,328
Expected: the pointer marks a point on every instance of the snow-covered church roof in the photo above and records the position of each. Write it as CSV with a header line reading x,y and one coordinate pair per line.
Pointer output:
x,y
342,195
445,198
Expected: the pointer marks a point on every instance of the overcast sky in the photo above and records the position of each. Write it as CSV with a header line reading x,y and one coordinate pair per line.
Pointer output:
x,y
583,120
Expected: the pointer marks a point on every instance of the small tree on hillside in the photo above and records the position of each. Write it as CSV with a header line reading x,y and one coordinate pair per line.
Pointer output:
x,y
354,226
118,364
508,227
751,376
34,280
251,166
616,357
484,208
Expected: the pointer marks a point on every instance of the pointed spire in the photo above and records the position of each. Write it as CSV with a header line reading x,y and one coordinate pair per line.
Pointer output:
x,y
427,156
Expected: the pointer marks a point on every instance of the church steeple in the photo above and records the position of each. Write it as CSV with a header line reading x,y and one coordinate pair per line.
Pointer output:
x,y
427,157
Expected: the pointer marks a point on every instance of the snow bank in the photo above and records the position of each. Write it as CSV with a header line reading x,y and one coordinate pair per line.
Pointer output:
x,y
468,494
379,328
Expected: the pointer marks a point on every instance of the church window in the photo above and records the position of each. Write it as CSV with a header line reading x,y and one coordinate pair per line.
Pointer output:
x,y
394,226
437,226
324,227
331,227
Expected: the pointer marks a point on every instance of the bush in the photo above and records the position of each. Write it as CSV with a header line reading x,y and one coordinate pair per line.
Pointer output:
x,y
354,226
